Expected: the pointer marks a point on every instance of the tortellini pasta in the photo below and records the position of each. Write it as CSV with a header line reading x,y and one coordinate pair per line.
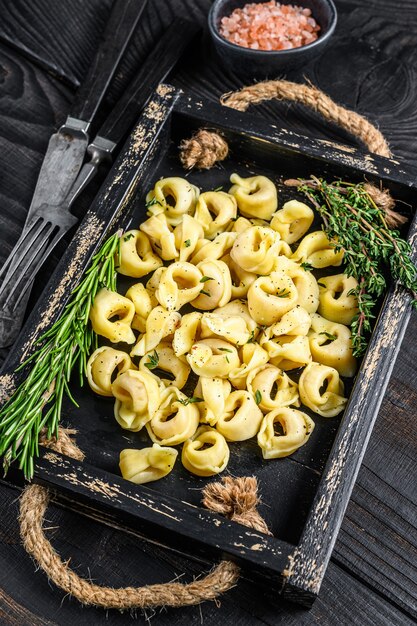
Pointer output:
x,y
216,289
174,197
241,418
213,358
175,420
108,305
330,344
318,251
321,390
101,367
272,388
164,358
143,301
206,453
256,196
270,297
214,392
297,428
225,314
337,302
136,257
255,249
178,284
138,395
148,464
292,221
220,204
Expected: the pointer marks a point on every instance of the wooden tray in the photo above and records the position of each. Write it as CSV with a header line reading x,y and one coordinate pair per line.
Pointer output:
x,y
304,496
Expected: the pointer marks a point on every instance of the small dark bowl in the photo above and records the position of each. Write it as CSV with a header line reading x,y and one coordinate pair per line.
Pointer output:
x,y
267,63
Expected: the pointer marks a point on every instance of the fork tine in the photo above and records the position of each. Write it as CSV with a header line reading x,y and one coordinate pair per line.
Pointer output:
x,y
25,240
38,263
22,264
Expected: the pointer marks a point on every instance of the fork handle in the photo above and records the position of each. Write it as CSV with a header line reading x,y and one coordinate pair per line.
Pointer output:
x,y
120,27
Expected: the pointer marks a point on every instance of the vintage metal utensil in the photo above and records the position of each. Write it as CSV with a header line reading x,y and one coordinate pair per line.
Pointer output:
x,y
49,222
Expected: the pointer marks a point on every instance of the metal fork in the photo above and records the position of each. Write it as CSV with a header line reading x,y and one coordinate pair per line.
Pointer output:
x,y
47,226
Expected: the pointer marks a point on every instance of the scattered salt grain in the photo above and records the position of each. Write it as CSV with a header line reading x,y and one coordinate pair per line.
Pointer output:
x,y
270,26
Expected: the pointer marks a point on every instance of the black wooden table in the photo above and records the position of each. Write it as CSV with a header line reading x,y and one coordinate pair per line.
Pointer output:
x,y
45,48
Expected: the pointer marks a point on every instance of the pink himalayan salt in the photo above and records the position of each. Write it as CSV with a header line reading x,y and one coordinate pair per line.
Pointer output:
x,y
270,26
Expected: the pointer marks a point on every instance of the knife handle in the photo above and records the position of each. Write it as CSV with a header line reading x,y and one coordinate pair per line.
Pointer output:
x,y
122,22
160,61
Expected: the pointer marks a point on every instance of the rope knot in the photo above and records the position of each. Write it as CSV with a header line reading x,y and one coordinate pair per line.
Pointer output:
x,y
203,150
237,499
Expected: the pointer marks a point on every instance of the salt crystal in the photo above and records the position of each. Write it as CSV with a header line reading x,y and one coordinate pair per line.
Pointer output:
x,y
270,26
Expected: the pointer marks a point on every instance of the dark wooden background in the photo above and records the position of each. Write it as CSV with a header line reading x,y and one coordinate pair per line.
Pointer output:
x,y
370,66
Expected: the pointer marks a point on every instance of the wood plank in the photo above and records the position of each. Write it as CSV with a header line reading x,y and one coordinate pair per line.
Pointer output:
x,y
58,36
378,539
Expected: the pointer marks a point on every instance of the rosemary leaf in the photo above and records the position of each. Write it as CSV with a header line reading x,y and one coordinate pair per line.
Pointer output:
x,y
37,402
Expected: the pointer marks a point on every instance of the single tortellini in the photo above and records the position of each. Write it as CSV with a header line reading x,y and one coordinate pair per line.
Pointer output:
x,y
241,418
187,235
233,328
108,305
176,419
148,464
207,250
256,196
213,358
164,359
159,325
215,286
318,251
243,223
252,356
174,196
292,221
238,308
330,344
206,453
256,248
185,335
102,366
321,390
144,301
214,392
270,297
138,395
178,284
136,257
161,236
221,205
296,322
272,387
288,351
337,304
296,426
241,279
305,282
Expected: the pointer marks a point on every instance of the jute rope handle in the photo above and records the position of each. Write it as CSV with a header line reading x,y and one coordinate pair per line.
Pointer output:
x,y
236,498
207,147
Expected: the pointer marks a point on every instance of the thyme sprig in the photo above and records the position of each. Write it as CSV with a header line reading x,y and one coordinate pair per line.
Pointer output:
x,y
37,402
361,228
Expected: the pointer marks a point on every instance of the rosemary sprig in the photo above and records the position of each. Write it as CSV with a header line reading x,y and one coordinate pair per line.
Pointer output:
x,y
37,402
360,227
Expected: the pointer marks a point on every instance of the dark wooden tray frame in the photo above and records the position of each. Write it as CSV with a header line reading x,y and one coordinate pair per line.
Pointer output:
x,y
294,571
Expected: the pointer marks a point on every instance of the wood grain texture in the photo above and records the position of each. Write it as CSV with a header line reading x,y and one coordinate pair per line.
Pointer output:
x,y
370,65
